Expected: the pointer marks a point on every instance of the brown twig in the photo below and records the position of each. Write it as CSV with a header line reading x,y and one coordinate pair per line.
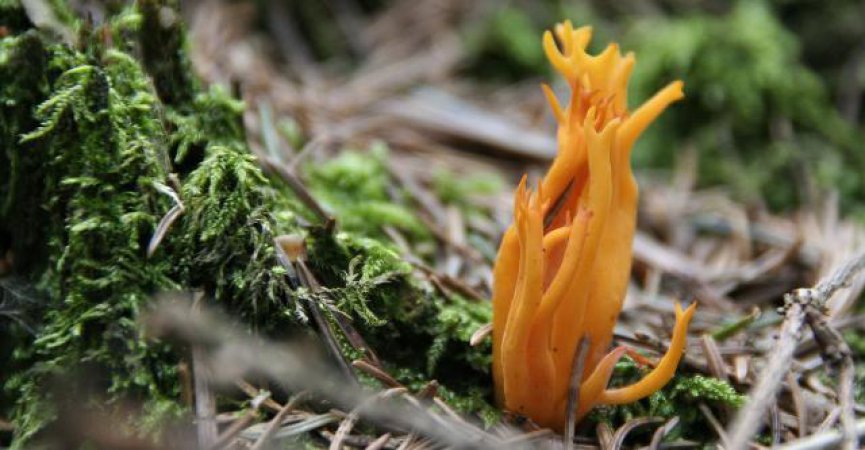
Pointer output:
x,y
205,401
553,210
322,323
379,443
354,337
763,393
530,436
713,357
775,423
409,440
277,421
798,404
432,210
167,220
605,435
450,283
234,429
347,424
715,423
253,392
375,372
661,432
433,110
846,383
622,432
579,361
837,354
823,440
291,251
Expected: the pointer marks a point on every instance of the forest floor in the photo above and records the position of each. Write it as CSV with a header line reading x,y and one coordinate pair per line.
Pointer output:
x,y
778,321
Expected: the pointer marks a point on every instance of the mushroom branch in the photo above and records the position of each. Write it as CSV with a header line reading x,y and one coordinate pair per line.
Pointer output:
x,y
562,269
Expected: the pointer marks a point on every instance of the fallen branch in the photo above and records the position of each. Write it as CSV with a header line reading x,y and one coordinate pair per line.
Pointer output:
x,y
574,390
826,439
205,401
797,303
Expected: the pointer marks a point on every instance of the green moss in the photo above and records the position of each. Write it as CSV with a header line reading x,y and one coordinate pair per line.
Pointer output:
x,y
471,401
94,208
163,51
505,46
419,334
459,190
24,69
856,341
364,277
679,398
757,115
456,321
102,145
109,152
354,187
87,129
213,117
372,277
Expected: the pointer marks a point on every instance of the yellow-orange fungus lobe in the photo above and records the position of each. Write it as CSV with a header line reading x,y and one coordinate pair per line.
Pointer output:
x,y
563,266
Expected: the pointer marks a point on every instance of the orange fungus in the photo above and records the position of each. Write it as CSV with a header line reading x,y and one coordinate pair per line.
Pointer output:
x,y
563,266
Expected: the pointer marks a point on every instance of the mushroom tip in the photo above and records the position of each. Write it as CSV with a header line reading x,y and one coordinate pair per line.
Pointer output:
x,y
293,245
679,89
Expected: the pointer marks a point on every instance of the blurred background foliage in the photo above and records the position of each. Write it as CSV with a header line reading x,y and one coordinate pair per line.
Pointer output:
x,y
774,87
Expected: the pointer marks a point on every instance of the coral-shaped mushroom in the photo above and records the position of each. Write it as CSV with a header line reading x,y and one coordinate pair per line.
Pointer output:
x,y
563,266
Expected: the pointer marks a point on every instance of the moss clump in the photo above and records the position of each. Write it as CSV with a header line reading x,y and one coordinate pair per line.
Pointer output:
x,y
87,130
505,47
681,398
354,186
106,156
93,207
456,190
227,211
757,115
24,68
421,335
457,319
